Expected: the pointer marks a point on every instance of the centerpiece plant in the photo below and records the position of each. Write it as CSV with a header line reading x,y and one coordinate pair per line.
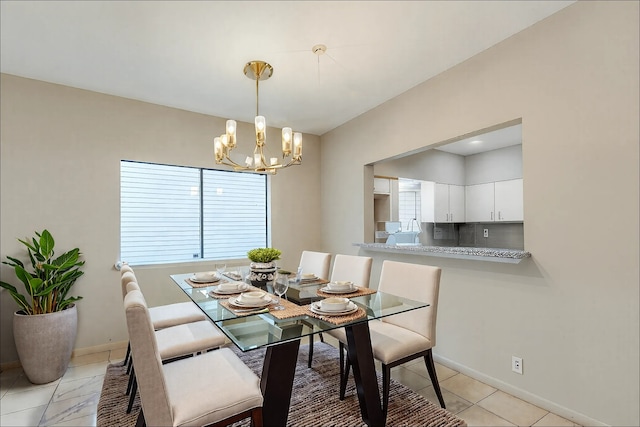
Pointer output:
x,y
264,255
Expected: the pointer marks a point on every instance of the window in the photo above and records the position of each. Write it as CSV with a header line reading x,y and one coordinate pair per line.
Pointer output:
x,y
408,202
177,214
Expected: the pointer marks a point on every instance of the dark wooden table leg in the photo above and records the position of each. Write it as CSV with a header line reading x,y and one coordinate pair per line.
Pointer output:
x,y
364,373
276,382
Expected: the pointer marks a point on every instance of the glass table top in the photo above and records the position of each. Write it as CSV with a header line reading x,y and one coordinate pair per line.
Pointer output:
x,y
252,331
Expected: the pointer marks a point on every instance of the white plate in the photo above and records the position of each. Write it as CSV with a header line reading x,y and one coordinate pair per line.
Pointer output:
x,y
331,291
241,288
266,300
308,279
351,308
212,280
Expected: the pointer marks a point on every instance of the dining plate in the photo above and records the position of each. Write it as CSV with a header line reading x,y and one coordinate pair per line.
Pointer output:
x,y
333,291
265,302
316,308
212,280
309,279
241,288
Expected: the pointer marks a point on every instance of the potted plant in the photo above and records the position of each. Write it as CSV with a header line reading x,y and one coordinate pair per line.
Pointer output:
x,y
45,326
263,266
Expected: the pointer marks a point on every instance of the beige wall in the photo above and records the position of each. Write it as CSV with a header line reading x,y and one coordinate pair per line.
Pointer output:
x,y
571,312
61,151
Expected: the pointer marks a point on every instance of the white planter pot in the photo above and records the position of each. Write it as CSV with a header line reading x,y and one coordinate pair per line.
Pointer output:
x,y
45,342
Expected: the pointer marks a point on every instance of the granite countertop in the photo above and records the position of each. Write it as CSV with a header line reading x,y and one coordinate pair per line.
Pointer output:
x,y
480,254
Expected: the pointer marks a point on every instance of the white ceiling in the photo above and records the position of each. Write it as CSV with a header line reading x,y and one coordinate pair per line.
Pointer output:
x,y
190,54
493,140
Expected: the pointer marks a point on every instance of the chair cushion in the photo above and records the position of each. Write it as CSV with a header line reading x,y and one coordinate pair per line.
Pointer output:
x,y
389,342
164,316
210,387
188,338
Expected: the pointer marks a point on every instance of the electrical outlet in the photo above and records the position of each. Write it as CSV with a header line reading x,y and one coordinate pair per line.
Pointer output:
x,y
486,232
516,364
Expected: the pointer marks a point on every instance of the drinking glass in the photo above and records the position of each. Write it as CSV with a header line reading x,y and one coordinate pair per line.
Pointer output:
x,y
244,273
220,268
299,276
280,286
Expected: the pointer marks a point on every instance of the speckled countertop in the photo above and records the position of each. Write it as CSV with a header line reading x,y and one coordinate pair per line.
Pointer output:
x,y
480,254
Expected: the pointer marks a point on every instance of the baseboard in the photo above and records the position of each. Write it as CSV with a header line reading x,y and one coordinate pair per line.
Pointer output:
x,y
99,348
534,399
77,352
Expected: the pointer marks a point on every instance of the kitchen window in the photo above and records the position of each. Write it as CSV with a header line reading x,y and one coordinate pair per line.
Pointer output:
x,y
178,214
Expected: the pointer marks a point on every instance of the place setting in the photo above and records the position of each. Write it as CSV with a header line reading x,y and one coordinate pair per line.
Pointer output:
x,y
203,279
309,279
336,310
343,288
228,289
250,302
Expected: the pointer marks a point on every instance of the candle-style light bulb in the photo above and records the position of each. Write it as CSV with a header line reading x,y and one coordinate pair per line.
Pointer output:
x,y
217,146
231,133
261,130
297,145
286,141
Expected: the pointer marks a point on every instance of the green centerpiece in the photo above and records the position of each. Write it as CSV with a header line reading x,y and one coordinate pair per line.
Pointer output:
x,y
263,266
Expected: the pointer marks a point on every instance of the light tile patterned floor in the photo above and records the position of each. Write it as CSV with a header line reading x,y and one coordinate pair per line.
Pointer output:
x,y
73,399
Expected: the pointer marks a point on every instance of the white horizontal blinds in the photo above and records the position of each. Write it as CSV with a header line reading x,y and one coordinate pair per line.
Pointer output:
x,y
159,213
234,213
409,207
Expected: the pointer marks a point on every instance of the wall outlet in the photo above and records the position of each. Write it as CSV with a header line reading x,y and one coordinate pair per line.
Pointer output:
x,y
516,364
486,232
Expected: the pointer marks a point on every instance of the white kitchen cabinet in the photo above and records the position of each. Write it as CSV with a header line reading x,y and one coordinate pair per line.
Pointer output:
x,y
480,202
441,202
495,201
381,185
509,204
456,203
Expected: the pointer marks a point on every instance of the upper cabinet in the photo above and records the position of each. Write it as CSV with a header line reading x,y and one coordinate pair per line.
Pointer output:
x,y
501,201
509,200
480,202
442,202
381,185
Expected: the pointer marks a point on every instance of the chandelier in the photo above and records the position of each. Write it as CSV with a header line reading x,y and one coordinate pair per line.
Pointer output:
x,y
291,141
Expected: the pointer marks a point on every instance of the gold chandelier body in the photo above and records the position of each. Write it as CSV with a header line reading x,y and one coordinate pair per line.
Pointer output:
x,y
291,141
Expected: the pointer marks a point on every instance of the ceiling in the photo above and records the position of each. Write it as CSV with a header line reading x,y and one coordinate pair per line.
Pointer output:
x,y
191,54
493,140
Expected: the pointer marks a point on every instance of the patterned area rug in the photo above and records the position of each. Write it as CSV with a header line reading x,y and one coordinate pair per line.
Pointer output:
x,y
314,401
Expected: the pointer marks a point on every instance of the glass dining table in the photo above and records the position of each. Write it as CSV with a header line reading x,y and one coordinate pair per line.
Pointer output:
x,y
280,332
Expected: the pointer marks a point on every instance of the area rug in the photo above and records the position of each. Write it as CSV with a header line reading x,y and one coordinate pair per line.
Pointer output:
x,y
314,401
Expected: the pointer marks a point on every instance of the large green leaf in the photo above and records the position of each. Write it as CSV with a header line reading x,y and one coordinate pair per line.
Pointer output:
x,y
46,244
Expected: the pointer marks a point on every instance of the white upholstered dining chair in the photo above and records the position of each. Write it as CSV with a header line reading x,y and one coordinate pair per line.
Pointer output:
x,y
177,342
214,388
353,268
162,316
402,337
317,263
167,315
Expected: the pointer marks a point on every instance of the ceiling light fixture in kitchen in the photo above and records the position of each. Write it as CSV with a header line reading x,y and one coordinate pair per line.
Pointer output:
x,y
291,141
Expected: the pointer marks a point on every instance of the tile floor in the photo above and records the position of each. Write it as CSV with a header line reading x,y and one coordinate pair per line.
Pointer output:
x,y
73,399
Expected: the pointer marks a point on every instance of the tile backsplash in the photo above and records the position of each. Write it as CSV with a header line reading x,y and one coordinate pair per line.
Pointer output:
x,y
500,235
